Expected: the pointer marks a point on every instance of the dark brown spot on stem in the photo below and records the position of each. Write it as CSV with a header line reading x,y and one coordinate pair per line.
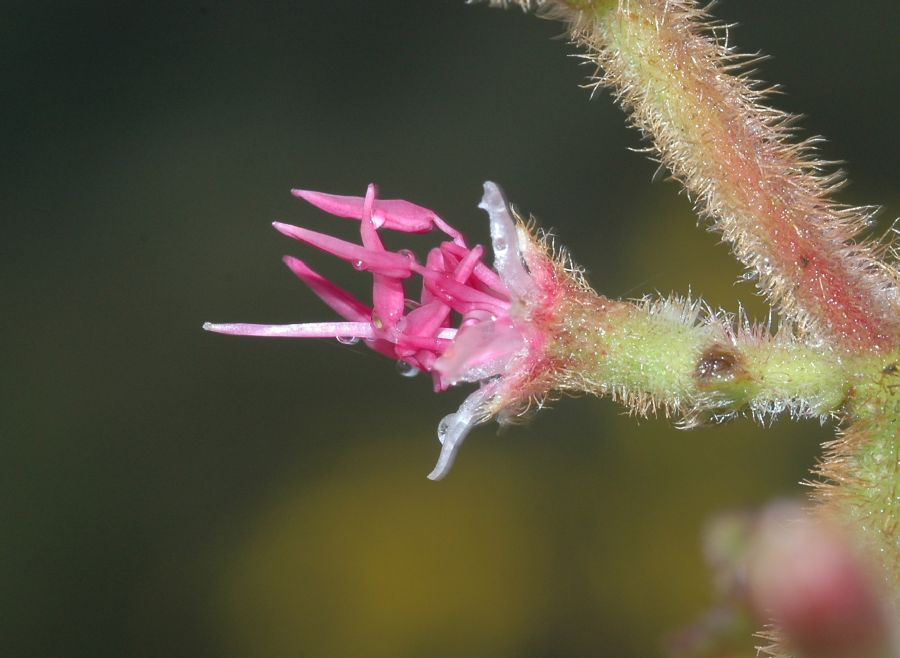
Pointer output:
x,y
719,364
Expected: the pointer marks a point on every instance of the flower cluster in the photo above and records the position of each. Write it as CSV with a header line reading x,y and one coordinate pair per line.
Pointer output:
x,y
471,323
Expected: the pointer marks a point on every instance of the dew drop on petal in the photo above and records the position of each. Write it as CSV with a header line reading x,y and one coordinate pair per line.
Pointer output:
x,y
443,428
408,254
406,369
348,340
359,265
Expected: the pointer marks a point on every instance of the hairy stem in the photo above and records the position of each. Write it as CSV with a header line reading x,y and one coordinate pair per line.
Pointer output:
x,y
862,466
678,357
671,68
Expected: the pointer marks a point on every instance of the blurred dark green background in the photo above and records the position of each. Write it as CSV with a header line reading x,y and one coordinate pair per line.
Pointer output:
x,y
167,492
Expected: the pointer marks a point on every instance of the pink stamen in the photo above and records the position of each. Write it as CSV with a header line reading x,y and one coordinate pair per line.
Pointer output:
x,y
340,301
460,297
482,273
394,214
384,262
464,270
427,318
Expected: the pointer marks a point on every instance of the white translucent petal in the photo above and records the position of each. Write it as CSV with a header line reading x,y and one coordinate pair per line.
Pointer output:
x,y
454,428
480,350
505,239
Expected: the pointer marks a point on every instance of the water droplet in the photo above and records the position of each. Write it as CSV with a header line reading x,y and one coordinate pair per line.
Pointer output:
x,y
443,428
377,221
359,265
499,244
348,340
408,254
407,369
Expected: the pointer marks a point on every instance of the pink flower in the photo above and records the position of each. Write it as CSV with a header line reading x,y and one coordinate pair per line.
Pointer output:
x,y
472,323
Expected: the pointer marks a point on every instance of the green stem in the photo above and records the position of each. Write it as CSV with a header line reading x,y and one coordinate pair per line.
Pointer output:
x,y
862,466
678,357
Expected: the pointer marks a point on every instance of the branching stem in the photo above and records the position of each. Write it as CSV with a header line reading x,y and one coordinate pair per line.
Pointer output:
x,y
670,67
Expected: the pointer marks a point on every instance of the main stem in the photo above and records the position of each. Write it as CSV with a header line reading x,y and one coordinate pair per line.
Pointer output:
x,y
767,195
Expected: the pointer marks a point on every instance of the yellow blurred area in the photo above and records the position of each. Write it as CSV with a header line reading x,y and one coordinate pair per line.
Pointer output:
x,y
515,554
368,562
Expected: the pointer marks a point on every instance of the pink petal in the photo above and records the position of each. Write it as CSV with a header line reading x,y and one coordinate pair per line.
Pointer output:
x,y
388,295
481,273
389,299
367,229
464,270
427,319
383,347
384,262
452,257
475,317
340,301
460,297
449,230
426,359
394,214
435,263
480,351
424,343
304,330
